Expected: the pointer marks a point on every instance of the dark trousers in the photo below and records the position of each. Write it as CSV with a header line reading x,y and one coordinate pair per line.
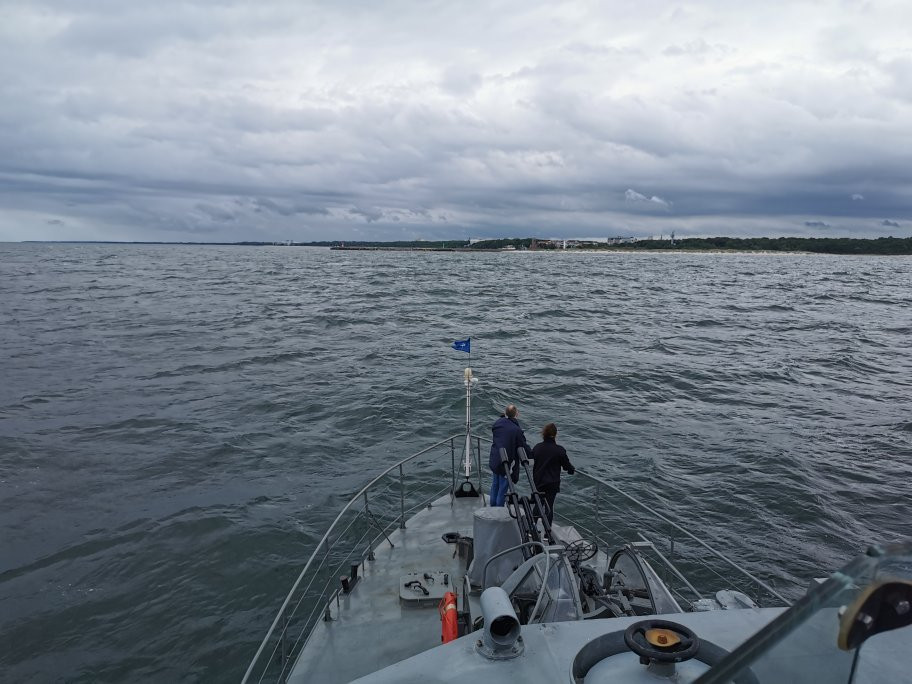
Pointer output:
x,y
548,493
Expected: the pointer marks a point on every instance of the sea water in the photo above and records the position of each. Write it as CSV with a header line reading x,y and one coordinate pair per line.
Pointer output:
x,y
179,425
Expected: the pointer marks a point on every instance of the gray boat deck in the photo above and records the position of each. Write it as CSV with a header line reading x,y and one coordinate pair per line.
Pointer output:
x,y
550,649
374,636
370,628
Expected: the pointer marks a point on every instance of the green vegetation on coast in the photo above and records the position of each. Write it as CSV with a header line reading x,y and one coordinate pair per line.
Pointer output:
x,y
396,244
883,245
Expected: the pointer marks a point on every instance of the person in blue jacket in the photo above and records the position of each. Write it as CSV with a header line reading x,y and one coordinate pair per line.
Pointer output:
x,y
506,435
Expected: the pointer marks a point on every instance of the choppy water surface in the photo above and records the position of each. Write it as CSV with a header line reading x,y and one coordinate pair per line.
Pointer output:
x,y
178,425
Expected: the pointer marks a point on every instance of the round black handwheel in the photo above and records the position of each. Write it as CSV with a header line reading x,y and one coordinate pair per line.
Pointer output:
x,y
615,643
662,641
579,550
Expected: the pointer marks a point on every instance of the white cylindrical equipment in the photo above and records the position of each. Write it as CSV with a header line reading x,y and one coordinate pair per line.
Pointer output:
x,y
501,638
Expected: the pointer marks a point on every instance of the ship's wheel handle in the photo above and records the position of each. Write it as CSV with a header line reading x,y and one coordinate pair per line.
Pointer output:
x,y
662,641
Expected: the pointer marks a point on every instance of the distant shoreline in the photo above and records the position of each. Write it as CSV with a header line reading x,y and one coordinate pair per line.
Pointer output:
x,y
883,246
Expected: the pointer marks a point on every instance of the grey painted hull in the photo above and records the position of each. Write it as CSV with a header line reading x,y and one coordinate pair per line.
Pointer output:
x,y
370,628
373,636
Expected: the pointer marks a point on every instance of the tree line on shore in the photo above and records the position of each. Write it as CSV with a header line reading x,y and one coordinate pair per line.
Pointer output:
x,y
881,245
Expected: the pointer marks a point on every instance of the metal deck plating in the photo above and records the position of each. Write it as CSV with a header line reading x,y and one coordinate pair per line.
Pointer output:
x,y
363,607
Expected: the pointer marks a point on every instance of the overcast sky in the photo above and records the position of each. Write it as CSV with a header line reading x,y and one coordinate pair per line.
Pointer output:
x,y
221,120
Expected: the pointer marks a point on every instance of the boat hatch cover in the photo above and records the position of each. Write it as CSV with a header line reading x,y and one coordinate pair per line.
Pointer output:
x,y
423,589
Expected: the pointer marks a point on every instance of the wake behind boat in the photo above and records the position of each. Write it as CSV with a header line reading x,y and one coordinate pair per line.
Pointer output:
x,y
418,579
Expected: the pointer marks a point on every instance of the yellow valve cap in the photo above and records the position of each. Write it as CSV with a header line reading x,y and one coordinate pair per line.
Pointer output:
x,y
663,638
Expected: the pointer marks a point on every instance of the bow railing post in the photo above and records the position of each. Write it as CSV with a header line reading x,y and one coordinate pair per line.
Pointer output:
x,y
453,466
598,489
478,464
401,498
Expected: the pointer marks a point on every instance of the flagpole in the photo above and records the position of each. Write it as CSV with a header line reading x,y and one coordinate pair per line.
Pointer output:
x,y
468,445
468,379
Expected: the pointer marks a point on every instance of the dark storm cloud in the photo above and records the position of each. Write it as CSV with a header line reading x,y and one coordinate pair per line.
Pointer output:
x,y
288,120
286,208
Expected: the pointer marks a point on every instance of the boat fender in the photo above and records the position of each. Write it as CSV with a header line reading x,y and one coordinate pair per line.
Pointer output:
x,y
449,623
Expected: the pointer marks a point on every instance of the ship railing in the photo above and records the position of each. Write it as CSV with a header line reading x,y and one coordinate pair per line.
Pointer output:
x,y
597,508
690,566
363,524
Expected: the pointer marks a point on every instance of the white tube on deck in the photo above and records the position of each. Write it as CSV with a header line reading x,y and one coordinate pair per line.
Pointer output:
x,y
469,381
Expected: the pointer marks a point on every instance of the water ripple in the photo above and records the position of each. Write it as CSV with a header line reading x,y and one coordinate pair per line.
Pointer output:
x,y
179,425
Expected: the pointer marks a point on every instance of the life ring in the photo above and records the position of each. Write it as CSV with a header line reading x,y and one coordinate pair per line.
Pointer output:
x,y
449,619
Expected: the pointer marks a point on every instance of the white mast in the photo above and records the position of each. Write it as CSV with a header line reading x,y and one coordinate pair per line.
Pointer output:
x,y
468,381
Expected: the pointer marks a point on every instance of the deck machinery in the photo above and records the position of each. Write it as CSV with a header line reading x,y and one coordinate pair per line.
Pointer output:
x,y
593,598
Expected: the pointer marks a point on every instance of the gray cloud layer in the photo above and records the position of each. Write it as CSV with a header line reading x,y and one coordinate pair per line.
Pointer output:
x,y
289,120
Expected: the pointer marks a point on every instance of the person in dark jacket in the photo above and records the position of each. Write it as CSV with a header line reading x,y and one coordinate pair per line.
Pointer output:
x,y
508,435
549,457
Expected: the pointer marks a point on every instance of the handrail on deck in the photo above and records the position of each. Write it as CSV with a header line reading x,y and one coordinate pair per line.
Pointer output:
x,y
478,439
685,532
518,547
357,497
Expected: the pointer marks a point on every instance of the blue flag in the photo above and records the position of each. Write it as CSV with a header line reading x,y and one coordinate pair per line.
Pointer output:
x,y
463,345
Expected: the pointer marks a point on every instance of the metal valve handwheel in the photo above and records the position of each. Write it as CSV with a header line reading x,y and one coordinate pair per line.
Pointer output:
x,y
580,550
662,641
